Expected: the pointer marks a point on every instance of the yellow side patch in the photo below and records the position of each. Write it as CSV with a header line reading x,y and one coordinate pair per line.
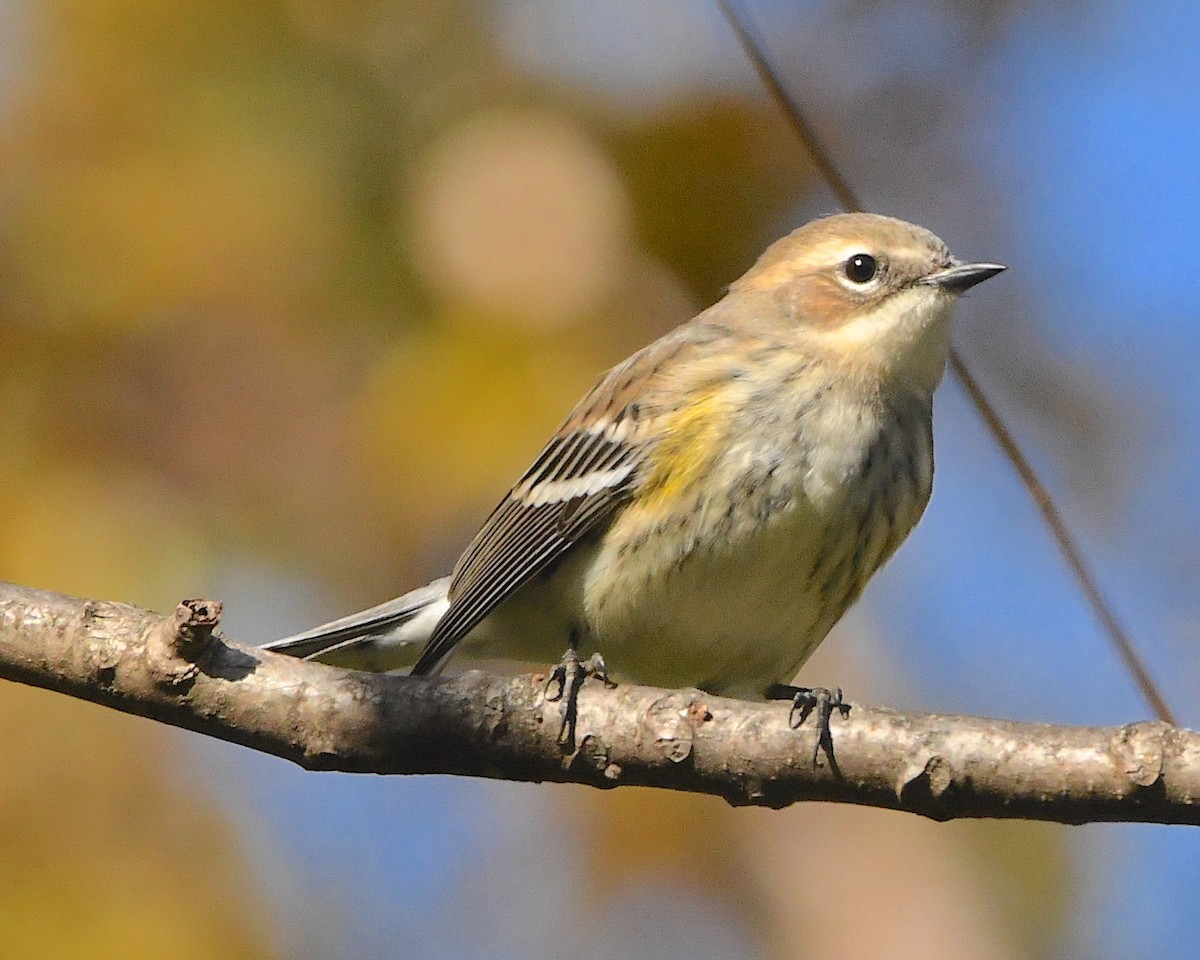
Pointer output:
x,y
693,438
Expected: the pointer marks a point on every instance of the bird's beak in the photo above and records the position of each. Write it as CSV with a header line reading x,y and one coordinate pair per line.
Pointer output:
x,y
963,276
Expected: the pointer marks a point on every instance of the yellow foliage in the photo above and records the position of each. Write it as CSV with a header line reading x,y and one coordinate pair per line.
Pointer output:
x,y
453,414
98,534
102,858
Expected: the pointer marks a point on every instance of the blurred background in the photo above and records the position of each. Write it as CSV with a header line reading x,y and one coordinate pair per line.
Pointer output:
x,y
291,291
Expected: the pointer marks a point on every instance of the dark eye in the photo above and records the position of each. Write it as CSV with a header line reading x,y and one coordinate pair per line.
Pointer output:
x,y
861,268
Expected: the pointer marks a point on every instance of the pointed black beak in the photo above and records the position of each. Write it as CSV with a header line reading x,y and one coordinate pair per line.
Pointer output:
x,y
963,276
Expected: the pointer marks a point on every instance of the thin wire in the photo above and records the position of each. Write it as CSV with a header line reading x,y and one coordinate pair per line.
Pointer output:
x,y
1070,549
828,169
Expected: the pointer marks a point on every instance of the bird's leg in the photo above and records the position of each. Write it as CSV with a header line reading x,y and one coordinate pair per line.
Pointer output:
x,y
569,675
806,700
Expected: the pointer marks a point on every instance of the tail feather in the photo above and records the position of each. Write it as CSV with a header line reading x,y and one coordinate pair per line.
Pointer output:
x,y
385,637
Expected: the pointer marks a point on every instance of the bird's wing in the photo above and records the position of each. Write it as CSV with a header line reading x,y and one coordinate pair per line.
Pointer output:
x,y
588,469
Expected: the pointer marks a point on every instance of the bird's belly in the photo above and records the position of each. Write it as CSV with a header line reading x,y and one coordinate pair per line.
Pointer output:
x,y
744,608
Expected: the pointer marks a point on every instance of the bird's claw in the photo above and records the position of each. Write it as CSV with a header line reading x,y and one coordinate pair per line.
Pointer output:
x,y
568,675
570,672
820,701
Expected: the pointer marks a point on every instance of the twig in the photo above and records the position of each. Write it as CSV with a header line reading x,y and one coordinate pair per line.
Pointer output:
x,y
182,671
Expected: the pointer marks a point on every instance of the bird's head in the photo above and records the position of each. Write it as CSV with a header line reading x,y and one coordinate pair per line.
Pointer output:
x,y
875,292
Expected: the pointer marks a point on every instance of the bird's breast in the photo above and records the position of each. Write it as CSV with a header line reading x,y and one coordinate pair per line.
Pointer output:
x,y
734,585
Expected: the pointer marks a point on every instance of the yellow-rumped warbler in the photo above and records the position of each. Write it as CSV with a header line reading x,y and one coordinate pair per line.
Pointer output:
x,y
715,503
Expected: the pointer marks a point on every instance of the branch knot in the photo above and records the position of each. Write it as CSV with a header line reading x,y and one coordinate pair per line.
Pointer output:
x,y
174,645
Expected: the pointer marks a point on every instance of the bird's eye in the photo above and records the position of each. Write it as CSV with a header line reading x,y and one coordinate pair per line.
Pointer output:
x,y
861,268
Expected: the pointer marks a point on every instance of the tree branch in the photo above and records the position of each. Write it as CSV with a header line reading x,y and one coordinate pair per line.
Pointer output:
x,y
182,671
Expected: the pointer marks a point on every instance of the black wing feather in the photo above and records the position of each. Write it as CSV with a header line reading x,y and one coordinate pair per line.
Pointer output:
x,y
554,507
522,538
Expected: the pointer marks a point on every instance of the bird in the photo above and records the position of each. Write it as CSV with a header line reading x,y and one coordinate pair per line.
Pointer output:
x,y
715,503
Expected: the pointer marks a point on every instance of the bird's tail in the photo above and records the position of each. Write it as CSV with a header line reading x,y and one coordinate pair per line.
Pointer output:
x,y
387,637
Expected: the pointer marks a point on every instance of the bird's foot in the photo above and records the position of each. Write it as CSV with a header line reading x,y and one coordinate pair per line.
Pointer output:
x,y
810,700
568,676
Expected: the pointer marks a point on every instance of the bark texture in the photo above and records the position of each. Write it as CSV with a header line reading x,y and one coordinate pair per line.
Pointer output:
x,y
180,670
